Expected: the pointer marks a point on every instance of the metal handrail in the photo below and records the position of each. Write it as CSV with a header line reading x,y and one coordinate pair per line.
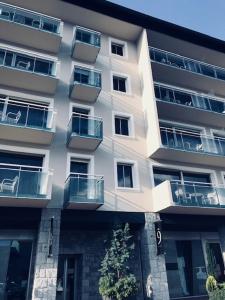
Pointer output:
x,y
88,176
40,17
26,104
191,93
189,59
186,132
34,58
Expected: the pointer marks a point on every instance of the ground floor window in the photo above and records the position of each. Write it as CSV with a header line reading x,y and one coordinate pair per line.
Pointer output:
x,y
186,269
15,256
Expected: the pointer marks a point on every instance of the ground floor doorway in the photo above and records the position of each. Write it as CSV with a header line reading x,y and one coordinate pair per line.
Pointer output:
x,y
15,259
68,277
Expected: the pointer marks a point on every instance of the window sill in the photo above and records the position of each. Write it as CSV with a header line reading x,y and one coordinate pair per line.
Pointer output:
x,y
130,137
126,189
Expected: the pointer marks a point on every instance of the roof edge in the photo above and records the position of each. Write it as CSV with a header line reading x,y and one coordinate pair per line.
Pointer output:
x,y
140,19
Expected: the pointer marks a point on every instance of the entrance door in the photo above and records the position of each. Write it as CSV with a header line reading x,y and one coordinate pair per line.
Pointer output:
x,y
15,258
67,282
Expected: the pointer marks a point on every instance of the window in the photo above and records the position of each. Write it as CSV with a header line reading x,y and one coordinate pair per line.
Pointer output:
x,y
185,267
117,49
124,175
119,84
122,125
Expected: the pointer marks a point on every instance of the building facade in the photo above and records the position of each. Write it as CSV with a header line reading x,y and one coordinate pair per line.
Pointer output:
x,y
108,116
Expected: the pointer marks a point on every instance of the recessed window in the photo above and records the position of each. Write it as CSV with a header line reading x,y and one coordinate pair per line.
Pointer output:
x,y
125,175
122,125
119,84
117,49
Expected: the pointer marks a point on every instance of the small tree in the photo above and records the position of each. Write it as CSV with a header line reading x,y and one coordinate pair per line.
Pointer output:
x,y
116,281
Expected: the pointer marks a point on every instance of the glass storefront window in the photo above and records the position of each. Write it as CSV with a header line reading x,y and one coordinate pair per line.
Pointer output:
x,y
15,258
215,265
186,270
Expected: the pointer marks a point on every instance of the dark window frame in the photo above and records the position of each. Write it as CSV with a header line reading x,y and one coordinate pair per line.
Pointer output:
x,y
120,84
118,49
124,168
119,128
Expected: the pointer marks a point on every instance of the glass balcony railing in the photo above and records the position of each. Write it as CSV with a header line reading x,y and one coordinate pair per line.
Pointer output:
x,y
27,63
183,97
28,115
29,18
87,77
192,141
197,194
191,65
23,181
87,36
84,188
85,126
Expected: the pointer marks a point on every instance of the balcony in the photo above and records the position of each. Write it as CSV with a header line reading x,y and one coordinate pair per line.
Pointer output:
x,y
26,122
30,29
177,70
86,84
86,44
84,132
84,191
23,71
187,146
188,198
179,104
24,186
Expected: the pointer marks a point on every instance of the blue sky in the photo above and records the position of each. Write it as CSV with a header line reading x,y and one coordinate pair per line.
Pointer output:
x,y
206,16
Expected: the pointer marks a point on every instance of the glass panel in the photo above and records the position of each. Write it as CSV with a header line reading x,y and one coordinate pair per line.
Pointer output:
x,y
80,121
160,57
220,144
217,106
186,63
49,26
176,61
28,18
2,55
117,49
43,67
85,188
161,175
24,114
215,263
185,267
183,98
18,270
79,167
193,177
220,74
157,92
124,175
4,260
8,59
166,94
81,76
21,159
24,63
208,71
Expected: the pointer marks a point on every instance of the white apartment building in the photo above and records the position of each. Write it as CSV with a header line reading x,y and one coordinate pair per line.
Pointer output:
x,y
107,116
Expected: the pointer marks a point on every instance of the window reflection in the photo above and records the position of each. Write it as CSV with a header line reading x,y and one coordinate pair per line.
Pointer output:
x,y
15,258
185,266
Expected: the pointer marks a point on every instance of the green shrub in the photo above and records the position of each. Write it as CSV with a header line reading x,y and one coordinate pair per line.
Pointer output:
x,y
211,284
217,295
116,280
